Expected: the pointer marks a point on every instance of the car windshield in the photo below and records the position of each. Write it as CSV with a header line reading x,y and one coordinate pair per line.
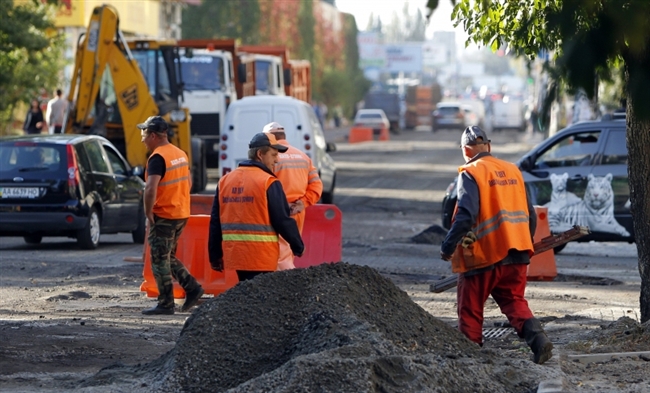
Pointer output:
x,y
374,116
202,72
448,110
22,158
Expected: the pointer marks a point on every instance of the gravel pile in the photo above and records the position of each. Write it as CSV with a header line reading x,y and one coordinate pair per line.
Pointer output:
x,y
330,328
434,234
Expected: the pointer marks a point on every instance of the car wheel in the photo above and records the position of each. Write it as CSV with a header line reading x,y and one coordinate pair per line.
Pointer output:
x,y
328,197
558,249
140,232
88,237
33,239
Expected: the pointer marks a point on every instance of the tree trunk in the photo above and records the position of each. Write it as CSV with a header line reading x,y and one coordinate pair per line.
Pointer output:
x,y
638,141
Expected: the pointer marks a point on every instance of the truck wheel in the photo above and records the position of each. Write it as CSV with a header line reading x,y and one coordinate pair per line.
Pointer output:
x,y
199,166
88,237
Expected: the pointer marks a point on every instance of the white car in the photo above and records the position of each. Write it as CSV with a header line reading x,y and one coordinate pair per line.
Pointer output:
x,y
372,118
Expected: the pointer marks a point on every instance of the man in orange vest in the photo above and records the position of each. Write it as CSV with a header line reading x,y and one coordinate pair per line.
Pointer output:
x,y
167,208
300,182
249,211
490,244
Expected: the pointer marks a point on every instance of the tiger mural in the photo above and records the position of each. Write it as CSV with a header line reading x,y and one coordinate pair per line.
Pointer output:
x,y
596,210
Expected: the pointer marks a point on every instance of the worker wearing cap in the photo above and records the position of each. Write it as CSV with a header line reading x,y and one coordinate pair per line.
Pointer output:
x,y
300,182
490,243
249,211
167,208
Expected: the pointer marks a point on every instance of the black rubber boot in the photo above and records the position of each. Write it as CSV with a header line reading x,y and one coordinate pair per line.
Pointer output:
x,y
159,310
536,338
192,297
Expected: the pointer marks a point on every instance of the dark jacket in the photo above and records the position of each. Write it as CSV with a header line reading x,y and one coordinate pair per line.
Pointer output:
x,y
467,212
279,214
30,122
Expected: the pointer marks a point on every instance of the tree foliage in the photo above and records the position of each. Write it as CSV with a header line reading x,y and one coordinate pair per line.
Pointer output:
x,y
589,38
31,54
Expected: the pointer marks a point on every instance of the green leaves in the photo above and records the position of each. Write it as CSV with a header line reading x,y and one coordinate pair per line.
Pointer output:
x,y
31,54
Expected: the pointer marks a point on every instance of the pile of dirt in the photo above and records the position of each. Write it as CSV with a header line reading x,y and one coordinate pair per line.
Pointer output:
x,y
435,234
330,328
623,335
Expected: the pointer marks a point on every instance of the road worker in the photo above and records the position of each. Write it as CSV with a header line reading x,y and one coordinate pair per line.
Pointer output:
x,y
167,208
249,211
490,243
300,182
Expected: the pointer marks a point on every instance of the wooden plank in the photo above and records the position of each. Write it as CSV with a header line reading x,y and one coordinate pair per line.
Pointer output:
x,y
605,357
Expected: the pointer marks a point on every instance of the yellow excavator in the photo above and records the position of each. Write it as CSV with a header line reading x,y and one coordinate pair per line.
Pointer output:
x,y
117,84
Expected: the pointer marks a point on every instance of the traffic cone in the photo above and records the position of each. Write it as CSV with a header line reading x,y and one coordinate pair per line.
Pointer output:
x,y
542,266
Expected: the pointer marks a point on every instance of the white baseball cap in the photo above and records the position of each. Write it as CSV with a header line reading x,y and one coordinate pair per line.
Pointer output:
x,y
273,127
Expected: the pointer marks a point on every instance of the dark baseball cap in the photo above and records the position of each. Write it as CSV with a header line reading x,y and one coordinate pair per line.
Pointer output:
x,y
471,135
266,139
154,124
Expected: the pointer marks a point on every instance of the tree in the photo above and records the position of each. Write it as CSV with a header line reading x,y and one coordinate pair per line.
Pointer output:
x,y
589,38
31,54
223,19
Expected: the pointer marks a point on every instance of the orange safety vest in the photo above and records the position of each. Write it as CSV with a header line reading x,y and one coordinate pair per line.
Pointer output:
x,y
173,194
249,240
299,179
502,222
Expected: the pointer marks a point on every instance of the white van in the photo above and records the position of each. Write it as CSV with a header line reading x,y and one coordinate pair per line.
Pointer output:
x,y
508,113
247,116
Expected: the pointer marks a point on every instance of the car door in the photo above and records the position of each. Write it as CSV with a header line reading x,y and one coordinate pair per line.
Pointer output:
x,y
129,187
104,184
559,175
608,197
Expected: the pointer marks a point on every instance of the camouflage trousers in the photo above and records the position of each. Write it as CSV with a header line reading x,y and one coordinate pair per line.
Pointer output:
x,y
163,239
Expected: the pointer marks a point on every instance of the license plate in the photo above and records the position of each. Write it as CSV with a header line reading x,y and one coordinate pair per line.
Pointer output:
x,y
19,192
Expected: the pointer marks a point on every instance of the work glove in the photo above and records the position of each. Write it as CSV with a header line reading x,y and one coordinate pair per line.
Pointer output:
x,y
217,265
468,240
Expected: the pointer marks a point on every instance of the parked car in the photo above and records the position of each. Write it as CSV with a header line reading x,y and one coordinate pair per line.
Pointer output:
x,y
247,116
77,186
449,115
580,175
372,118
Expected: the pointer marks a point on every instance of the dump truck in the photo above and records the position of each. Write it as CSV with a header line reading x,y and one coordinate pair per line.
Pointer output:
x,y
110,94
214,76
296,74
420,103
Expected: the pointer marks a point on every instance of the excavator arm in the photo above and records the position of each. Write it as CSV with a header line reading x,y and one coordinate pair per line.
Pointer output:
x,y
110,95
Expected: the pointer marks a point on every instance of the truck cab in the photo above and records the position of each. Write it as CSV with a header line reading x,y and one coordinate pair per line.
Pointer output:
x,y
208,88
269,75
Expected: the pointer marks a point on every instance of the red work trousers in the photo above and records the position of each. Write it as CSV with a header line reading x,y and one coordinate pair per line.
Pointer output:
x,y
506,284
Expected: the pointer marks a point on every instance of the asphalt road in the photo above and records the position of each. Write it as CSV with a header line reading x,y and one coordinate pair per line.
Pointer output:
x,y
387,192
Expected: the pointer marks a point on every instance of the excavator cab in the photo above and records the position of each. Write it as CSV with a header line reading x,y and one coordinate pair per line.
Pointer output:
x,y
118,84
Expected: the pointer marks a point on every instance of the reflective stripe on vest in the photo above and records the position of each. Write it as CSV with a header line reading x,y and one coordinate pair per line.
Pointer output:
x,y
249,240
498,230
173,193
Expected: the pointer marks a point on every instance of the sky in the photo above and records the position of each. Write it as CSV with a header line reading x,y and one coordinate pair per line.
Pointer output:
x,y
440,20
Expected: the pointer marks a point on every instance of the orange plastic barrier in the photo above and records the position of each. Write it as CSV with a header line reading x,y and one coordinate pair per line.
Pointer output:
x,y
360,134
383,134
192,250
201,204
322,235
542,266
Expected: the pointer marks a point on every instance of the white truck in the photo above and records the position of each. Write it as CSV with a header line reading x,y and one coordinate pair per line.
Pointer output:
x,y
209,88
269,75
